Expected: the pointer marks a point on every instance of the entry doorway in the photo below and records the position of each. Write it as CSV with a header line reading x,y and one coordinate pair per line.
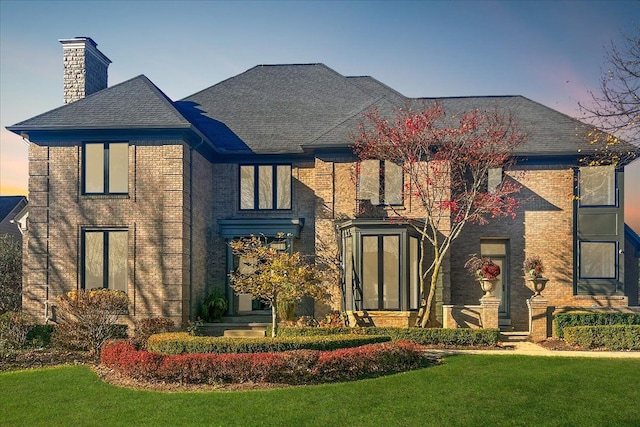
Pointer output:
x,y
498,251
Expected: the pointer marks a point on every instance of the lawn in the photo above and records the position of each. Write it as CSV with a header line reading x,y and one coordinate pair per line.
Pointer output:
x,y
466,390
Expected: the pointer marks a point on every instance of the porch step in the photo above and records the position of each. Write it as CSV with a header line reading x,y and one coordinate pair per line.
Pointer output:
x,y
514,336
219,329
247,318
245,333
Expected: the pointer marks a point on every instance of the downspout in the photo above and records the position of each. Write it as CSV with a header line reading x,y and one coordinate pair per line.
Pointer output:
x,y
191,316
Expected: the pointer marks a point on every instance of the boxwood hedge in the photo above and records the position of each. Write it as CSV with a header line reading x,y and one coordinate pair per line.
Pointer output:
x,y
564,320
424,336
183,343
611,337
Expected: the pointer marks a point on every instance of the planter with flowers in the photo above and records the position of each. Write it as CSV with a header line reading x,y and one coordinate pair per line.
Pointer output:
x,y
486,272
533,269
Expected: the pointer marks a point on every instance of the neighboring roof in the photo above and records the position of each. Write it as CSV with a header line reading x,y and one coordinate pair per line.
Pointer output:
x,y
633,238
133,104
9,204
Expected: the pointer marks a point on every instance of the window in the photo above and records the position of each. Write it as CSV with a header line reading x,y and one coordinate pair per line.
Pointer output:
x,y
105,259
597,186
380,266
494,180
380,182
265,187
598,260
381,272
106,168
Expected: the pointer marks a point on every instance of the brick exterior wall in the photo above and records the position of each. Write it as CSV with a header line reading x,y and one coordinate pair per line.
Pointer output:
x,y
177,255
156,213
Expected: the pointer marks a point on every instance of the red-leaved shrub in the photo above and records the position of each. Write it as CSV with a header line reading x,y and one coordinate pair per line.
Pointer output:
x,y
288,367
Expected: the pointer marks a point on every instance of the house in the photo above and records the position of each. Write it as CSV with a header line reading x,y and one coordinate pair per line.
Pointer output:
x,y
130,190
13,213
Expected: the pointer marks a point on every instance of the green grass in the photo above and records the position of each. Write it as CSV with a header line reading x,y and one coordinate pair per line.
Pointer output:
x,y
468,390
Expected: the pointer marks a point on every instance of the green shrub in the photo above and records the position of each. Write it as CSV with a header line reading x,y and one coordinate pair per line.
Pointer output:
x,y
213,307
564,320
40,335
424,336
183,343
14,328
144,328
87,318
611,337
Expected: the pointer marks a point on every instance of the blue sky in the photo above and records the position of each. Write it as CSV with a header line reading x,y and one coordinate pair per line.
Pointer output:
x,y
550,52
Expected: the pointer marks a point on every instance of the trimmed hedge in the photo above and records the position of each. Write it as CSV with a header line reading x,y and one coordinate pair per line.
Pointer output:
x,y
424,336
611,337
183,343
289,367
564,320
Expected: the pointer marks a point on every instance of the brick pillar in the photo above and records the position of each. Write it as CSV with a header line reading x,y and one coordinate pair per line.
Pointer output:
x,y
537,318
490,307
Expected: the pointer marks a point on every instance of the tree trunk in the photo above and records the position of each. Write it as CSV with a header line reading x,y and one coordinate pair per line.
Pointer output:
x,y
432,293
274,319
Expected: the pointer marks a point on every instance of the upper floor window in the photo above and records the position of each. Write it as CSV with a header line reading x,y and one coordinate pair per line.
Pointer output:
x,y
494,180
105,259
597,186
106,168
380,182
265,187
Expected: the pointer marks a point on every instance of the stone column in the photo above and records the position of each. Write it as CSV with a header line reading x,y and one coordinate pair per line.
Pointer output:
x,y
490,307
537,318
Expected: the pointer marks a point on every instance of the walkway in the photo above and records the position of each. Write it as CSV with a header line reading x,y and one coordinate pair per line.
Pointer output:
x,y
518,344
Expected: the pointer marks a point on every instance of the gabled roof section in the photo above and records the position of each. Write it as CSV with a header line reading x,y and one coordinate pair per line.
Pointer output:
x,y
550,133
133,104
273,109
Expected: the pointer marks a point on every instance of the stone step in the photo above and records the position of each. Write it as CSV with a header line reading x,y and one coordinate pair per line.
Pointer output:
x,y
245,333
247,318
514,336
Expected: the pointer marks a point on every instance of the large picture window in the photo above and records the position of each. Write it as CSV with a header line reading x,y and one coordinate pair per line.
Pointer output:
x,y
106,168
597,186
380,182
265,187
380,266
105,259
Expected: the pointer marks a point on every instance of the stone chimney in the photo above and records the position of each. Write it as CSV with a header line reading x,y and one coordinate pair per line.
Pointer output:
x,y
85,68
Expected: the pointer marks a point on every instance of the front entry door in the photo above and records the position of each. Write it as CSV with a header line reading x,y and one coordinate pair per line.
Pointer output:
x,y
498,250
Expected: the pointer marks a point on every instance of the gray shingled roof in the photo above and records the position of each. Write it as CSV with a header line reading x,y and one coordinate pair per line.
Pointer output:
x,y
133,104
275,109
279,108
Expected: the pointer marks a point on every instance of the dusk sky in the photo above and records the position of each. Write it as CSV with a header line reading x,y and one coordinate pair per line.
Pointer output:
x,y
550,52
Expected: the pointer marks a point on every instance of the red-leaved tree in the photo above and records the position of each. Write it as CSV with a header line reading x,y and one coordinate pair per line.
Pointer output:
x,y
447,161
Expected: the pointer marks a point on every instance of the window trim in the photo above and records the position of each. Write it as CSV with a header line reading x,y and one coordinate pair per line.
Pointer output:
x,y
275,193
106,164
105,254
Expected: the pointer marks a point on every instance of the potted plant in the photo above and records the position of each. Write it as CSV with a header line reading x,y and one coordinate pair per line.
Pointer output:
x,y
213,307
485,271
533,269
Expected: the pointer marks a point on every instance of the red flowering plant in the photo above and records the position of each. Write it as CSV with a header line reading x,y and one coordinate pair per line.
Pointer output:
x,y
482,268
532,266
